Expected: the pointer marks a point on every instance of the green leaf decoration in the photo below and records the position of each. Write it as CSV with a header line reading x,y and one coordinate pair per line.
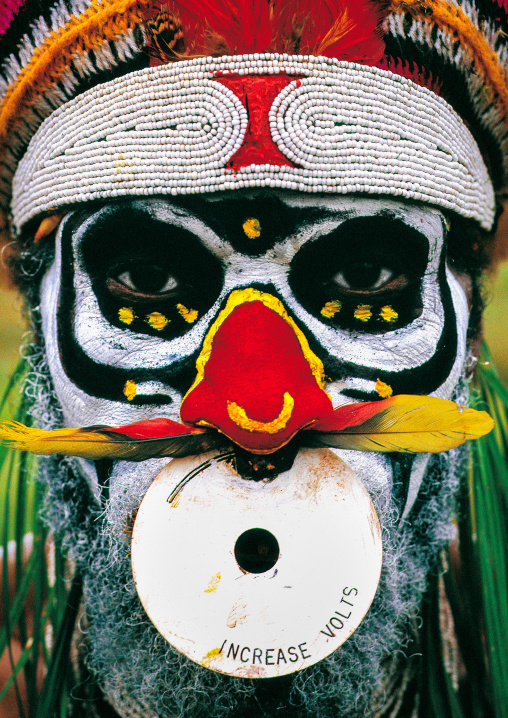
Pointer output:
x,y
488,529
438,696
476,580
39,610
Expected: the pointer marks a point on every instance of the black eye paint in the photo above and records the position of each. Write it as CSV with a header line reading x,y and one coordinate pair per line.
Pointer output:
x,y
423,378
365,276
253,225
95,378
149,276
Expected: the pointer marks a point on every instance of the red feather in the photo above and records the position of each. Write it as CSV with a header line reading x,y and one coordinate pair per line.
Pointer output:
x,y
349,415
151,429
235,26
345,29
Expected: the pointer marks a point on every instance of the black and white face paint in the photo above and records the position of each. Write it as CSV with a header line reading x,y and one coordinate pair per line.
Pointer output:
x,y
136,285
133,291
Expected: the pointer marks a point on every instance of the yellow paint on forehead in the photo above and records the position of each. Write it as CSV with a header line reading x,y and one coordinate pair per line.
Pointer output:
x,y
126,315
130,389
252,228
388,314
331,309
190,315
157,320
384,390
363,312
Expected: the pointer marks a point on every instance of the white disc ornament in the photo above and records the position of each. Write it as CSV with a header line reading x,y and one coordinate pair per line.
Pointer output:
x,y
257,579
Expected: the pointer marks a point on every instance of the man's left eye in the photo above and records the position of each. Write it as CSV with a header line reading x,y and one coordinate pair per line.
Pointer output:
x,y
142,280
363,277
147,279
366,275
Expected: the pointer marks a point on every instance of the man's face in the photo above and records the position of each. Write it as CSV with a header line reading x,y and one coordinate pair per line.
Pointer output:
x,y
137,285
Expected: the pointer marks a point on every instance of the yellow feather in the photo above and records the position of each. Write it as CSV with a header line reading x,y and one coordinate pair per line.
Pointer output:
x,y
403,423
98,444
413,424
69,442
342,25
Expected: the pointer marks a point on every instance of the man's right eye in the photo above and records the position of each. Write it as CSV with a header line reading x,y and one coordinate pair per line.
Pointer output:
x,y
142,280
148,275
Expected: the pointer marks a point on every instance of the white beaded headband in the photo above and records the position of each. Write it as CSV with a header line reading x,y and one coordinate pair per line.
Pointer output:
x,y
304,123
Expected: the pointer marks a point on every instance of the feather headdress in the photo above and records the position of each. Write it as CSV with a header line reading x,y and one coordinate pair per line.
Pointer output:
x,y
333,28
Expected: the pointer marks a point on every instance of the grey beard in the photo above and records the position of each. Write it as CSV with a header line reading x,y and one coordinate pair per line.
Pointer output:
x,y
142,675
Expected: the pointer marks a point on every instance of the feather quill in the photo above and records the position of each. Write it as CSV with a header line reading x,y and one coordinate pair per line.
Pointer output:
x,y
401,423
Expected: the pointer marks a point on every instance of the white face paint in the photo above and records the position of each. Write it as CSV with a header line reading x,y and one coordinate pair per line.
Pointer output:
x,y
365,280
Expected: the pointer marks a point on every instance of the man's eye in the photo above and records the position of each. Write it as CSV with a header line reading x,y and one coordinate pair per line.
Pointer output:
x,y
144,278
363,276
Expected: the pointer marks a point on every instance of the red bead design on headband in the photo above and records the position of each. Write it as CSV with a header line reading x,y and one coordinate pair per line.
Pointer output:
x,y
257,93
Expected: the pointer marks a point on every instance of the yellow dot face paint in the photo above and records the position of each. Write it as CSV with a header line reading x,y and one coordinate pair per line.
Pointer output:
x,y
157,320
363,312
388,314
252,228
331,309
384,390
190,315
126,315
130,389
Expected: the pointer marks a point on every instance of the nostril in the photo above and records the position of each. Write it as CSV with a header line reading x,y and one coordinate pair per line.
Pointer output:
x,y
265,467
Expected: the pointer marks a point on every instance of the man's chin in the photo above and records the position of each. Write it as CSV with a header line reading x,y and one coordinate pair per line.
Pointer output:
x,y
142,675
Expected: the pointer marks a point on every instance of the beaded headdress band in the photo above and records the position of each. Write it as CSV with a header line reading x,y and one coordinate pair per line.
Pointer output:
x,y
408,99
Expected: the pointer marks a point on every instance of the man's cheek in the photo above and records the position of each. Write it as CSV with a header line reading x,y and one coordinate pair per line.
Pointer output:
x,y
93,367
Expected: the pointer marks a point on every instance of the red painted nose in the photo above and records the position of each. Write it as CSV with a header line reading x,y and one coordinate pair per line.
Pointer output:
x,y
258,381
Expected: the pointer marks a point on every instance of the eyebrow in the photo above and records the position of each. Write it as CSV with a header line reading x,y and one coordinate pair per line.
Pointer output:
x,y
285,213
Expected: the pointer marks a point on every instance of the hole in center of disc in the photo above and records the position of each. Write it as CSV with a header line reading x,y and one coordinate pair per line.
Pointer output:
x,y
256,550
